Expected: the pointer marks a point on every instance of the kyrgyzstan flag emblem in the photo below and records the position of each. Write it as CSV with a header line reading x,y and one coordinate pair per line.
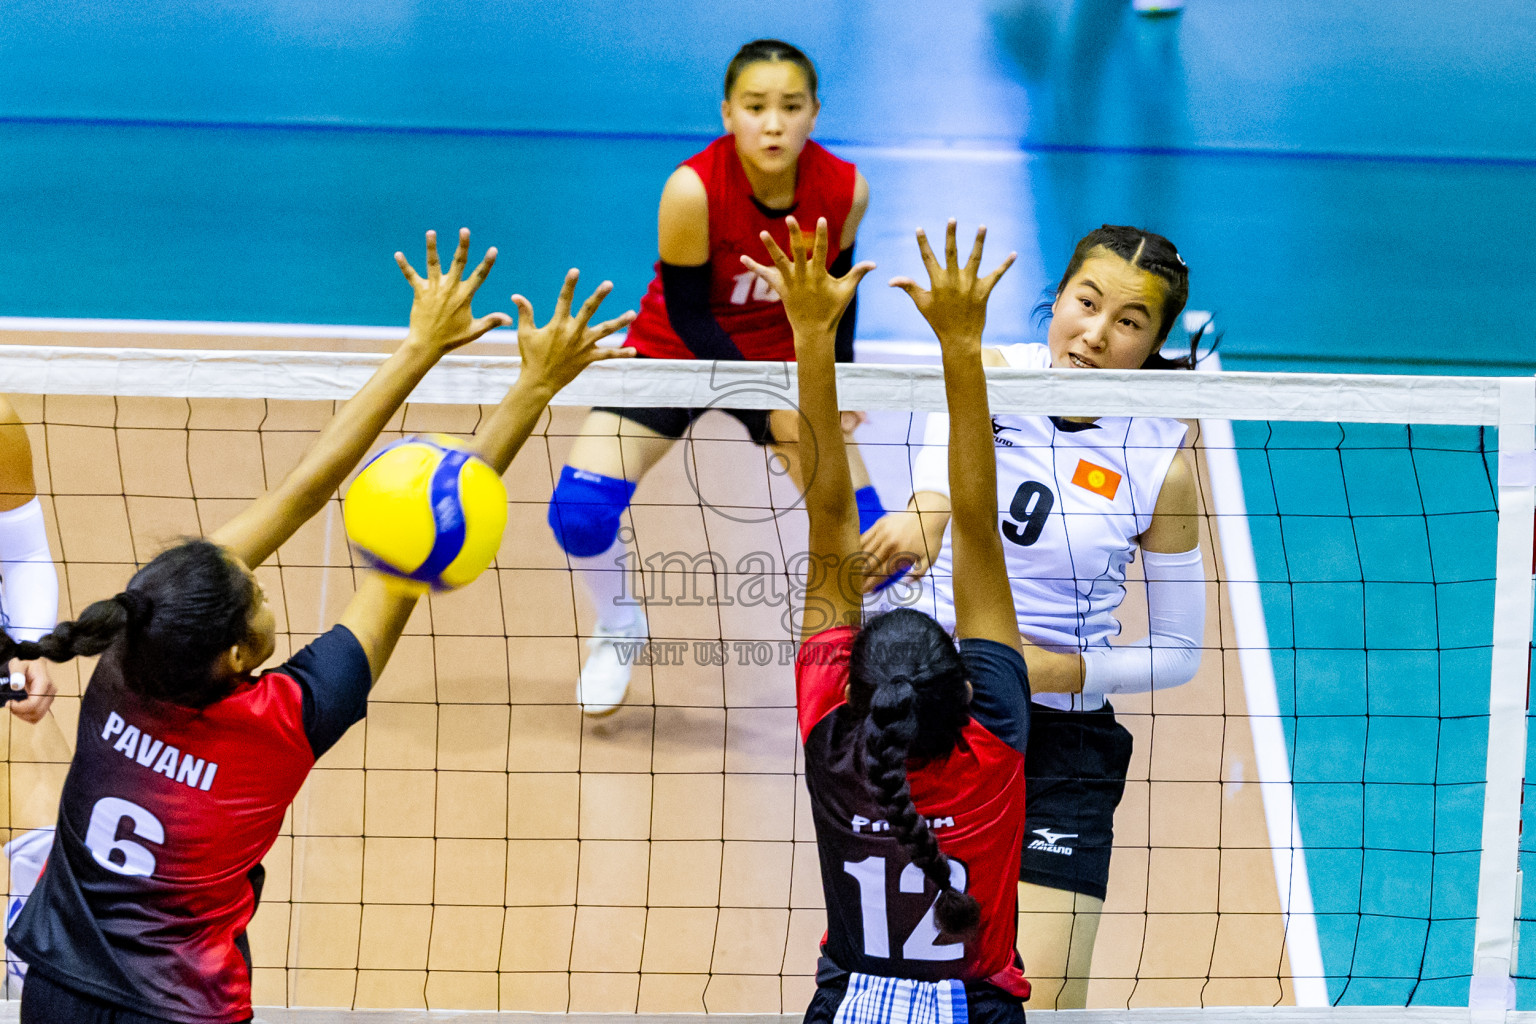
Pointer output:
x,y
1097,479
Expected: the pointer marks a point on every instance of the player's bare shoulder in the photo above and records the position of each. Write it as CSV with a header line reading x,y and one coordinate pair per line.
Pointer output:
x,y
1175,525
1179,492
683,220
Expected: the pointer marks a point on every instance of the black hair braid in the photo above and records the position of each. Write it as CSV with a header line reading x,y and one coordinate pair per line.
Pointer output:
x,y
890,731
93,632
907,680
191,602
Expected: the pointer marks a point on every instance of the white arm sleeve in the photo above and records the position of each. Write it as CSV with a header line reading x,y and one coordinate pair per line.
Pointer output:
x,y
1176,615
930,469
29,585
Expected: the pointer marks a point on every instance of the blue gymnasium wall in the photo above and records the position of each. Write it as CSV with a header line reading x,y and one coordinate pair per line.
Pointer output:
x,y
1334,169
1410,78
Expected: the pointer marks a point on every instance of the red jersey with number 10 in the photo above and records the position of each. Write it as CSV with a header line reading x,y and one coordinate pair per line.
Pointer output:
x,y
744,306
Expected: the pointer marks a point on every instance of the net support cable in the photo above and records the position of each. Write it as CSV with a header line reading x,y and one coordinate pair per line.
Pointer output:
x,y
10,1013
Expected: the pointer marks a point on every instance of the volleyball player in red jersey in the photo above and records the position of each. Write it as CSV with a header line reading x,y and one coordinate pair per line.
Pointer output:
x,y
914,749
703,304
185,758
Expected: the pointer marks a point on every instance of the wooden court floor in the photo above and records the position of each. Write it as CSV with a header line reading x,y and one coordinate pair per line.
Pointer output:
x,y
477,844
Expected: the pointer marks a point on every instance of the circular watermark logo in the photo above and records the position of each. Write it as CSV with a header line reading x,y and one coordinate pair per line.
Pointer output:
x,y
781,460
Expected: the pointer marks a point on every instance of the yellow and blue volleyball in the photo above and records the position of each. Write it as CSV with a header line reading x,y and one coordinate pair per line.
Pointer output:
x,y
428,509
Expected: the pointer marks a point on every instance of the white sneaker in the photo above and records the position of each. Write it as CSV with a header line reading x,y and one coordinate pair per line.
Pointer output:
x,y
605,676
1155,7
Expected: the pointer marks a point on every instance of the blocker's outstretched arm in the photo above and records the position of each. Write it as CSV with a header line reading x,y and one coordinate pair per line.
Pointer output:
x,y
552,357
814,302
955,306
441,321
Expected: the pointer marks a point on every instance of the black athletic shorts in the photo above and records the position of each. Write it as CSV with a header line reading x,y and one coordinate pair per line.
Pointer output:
x,y
1074,777
985,1003
43,1002
674,423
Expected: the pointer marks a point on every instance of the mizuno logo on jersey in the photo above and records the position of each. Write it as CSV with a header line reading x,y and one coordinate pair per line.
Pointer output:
x,y
1098,479
156,756
997,434
1050,842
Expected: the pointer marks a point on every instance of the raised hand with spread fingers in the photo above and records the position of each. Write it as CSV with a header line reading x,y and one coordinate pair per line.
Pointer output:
x,y
814,302
955,302
552,356
955,305
440,313
441,321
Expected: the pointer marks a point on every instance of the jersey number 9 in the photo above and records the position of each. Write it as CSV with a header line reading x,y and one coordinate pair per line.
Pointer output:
x,y
1030,508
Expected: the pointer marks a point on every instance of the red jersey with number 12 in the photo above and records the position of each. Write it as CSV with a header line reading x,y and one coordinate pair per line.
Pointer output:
x,y
880,917
745,307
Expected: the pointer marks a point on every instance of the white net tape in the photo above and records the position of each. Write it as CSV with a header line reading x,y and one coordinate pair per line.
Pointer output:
x,y
1338,398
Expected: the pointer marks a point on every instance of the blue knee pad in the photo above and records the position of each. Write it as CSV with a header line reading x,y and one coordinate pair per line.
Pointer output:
x,y
585,511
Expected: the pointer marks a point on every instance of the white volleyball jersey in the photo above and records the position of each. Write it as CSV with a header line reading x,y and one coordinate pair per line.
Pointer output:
x,y
1073,499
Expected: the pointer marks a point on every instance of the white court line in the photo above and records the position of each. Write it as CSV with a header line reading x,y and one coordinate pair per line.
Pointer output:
x,y
1270,752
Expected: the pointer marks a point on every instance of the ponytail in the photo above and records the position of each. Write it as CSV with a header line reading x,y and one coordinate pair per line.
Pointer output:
x,y
1187,361
908,679
177,614
97,628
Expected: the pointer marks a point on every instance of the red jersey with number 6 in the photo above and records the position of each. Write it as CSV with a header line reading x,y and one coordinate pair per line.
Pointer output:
x,y
880,917
744,306
166,814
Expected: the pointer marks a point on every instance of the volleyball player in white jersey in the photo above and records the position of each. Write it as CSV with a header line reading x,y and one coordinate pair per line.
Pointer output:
x,y
1078,498
29,609
29,583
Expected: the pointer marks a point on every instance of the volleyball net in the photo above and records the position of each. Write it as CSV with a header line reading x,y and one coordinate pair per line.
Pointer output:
x,y
1330,813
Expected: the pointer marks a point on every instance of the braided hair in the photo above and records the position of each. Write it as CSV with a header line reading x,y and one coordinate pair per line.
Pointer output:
x,y
1157,256
907,679
175,617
